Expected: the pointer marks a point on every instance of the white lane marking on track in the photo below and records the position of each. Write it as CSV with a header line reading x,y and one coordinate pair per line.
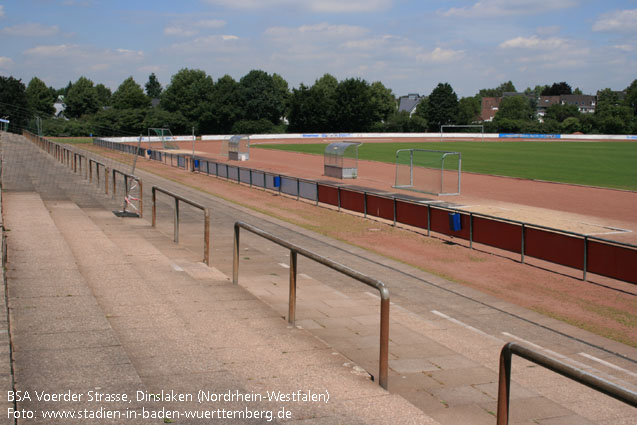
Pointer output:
x,y
303,275
464,325
176,267
551,352
285,266
605,363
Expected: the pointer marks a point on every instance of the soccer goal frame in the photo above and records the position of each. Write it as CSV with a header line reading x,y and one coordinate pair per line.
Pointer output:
x,y
442,128
434,179
165,137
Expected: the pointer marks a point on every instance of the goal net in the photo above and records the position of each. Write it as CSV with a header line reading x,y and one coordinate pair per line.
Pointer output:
x,y
428,171
162,135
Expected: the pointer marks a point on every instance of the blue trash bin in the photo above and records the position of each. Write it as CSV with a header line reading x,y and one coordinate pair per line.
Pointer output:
x,y
277,181
455,222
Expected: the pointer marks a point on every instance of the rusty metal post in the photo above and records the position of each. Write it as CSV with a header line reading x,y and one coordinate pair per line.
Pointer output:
x,y
206,235
154,221
383,359
176,222
235,255
504,381
292,297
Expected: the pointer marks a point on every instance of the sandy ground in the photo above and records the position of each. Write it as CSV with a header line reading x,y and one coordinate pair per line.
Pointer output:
x,y
600,305
606,213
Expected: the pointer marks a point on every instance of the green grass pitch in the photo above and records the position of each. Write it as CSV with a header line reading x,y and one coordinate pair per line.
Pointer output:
x,y
602,164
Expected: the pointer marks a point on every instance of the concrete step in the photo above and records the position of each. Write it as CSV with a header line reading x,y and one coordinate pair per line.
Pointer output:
x,y
186,328
62,342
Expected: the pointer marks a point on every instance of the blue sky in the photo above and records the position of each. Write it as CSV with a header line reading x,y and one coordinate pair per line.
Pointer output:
x,y
410,46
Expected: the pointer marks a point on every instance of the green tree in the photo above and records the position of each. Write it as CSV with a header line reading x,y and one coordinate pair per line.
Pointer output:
x,y
535,92
559,112
302,110
515,108
129,95
103,95
81,99
557,89
190,92
153,87
159,118
468,110
263,96
39,98
354,105
506,87
325,109
442,107
13,103
225,106
383,101
631,96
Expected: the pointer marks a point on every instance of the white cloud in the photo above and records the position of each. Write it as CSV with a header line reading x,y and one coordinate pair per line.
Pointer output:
x,y
624,47
321,31
5,63
190,29
225,43
77,54
31,30
325,6
210,23
1,11
496,8
551,52
624,21
180,31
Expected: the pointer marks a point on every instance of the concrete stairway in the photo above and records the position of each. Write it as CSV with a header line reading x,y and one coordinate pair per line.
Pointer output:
x,y
94,306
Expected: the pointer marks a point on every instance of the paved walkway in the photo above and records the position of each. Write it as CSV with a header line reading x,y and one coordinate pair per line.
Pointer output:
x,y
182,325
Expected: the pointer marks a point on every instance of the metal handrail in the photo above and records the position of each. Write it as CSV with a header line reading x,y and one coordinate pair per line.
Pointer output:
x,y
577,375
178,198
294,251
97,172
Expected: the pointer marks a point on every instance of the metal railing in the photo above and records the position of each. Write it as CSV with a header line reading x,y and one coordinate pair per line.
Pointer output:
x,y
578,375
294,251
177,198
97,173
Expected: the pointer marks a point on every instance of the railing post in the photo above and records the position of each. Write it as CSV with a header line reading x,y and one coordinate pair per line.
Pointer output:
x,y
471,230
292,299
585,257
106,179
383,358
206,235
522,247
504,382
114,183
141,198
154,196
235,256
176,224
90,171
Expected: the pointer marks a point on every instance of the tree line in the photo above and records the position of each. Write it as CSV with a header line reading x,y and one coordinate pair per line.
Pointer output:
x,y
263,103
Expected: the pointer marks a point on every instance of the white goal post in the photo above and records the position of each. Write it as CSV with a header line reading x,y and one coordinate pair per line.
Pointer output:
x,y
480,126
428,171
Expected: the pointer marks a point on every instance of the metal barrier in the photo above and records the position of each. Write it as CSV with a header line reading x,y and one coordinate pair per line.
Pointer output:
x,y
578,375
126,178
294,251
575,250
97,172
206,229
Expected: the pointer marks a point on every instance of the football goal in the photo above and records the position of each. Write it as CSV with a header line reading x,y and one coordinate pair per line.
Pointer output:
x,y
162,135
427,171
